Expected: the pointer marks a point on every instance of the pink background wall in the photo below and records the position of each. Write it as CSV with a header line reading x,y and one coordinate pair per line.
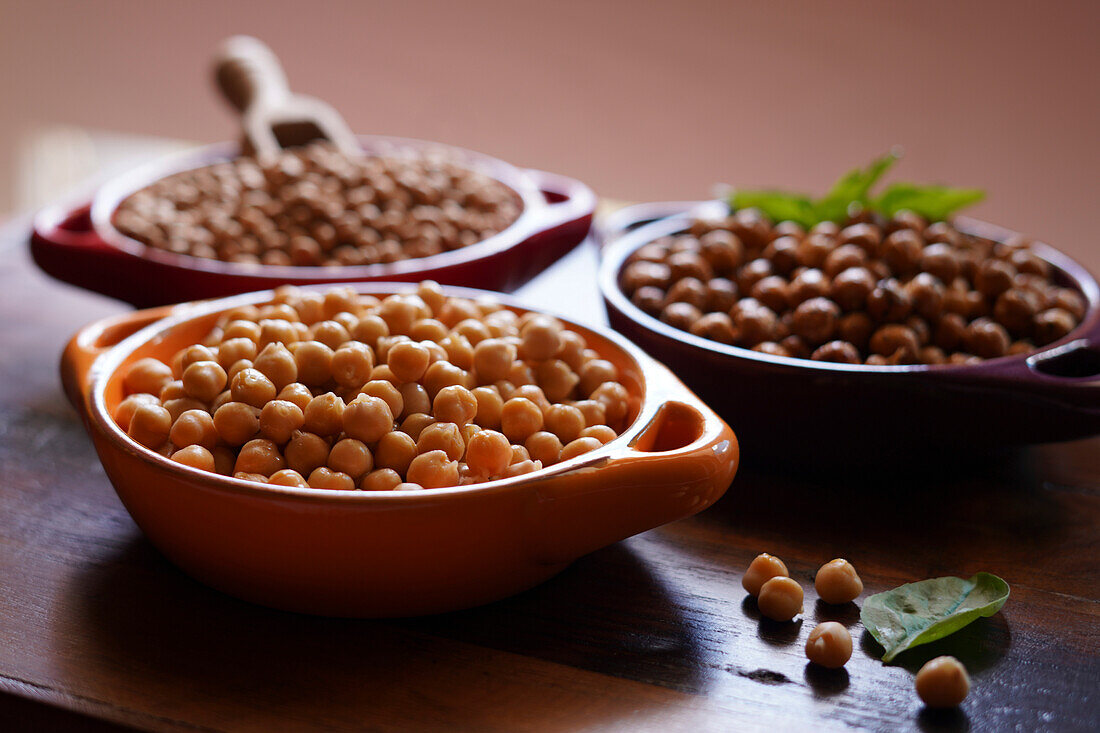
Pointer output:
x,y
643,101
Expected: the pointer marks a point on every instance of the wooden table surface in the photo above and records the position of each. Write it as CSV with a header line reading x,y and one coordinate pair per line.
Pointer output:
x,y
97,629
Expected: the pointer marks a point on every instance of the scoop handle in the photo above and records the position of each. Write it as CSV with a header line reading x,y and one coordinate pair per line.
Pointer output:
x,y
249,74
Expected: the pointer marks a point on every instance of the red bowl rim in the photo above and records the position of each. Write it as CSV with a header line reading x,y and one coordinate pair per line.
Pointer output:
x,y
113,192
614,256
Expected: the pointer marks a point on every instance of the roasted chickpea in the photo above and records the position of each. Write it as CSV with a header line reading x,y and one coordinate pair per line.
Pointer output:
x,y
1051,325
147,375
752,273
926,293
942,682
814,249
642,274
829,645
894,339
722,250
1015,309
889,302
856,329
150,425
716,327
940,261
837,582
844,257
772,291
721,295
901,251
195,456
993,277
688,290
986,338
754,321
1068,300
689,264
764,567
783,253
780,599
815,320
807,284
840,352
680,315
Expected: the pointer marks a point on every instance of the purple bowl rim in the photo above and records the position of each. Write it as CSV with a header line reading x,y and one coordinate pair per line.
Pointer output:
x,y
521,182
614,256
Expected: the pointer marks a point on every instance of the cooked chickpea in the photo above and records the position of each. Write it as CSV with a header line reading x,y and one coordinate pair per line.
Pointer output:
x,y
942,682
408,360
384,479
125,410
578,447
763,568
443,374
564,421
150,425
395,450
252,387
324,477
837,582
596,372
188,356
195,456
277,364
147,375
444,436
601,433
352,363
330,333
386,392
433,470
455,404
306,451
829,645
236,422
288,477
488,453
520,417
259,456
194,427
540,339
493,359
297,393
780,599
324,415
489,407
172,391
314,361
366,418
615,400
522,467
203,380
233,350
279,419
544,446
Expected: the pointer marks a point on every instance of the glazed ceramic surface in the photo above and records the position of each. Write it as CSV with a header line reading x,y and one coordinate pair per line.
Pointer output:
x,y
794,409
397,553
82,247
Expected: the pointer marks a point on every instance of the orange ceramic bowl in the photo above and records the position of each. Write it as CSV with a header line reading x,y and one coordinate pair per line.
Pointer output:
x,y
385,554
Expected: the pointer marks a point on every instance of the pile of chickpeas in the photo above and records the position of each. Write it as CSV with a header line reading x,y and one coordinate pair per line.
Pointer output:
x,y
940,683
870,291
314,206
336,390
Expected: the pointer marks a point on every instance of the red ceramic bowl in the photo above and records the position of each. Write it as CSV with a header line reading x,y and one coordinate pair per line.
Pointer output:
x,y
799,409
394,553
81,246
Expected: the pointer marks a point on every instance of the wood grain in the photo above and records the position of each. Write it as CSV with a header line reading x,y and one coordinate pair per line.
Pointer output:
x,y
97,629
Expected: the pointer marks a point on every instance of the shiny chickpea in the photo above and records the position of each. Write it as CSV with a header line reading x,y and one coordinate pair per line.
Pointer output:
x,y
324,415
564,421
601,433
352,457
901,251
1051,325
807,284
259,456
395,450
415,423
721,295
195,456
276,331
194,427
386,391
993,277
279,419
544,446
147,375
188,356
716,327
179,406
815,320
867,237
493,359
615,400
649,300
520,417
314,361
324,477
540,339
444,436
752,273
203,380
459,351
330,333
297,393
842,258
383,479
433,470
837,582
252,387
408,360
754,321
172,391
851,287
455,404
780,599
578,447
233,350
288,477
125,410
306,451
370,328
840,352
764,567
242,328
277,364
829,645
366,418
150,425
986,338
889,301
894,339
352,364
519,454
236,422
489,407
722,250
556,379
940,261
596,372
443,374
488,453
942,682
572,349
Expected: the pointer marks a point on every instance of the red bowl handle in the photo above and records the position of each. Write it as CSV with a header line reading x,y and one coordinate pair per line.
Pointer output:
x,y
567,199
66,246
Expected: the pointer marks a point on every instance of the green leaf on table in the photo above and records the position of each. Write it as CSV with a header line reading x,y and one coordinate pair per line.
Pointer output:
x,y
776,205
934,203
922,612
852,188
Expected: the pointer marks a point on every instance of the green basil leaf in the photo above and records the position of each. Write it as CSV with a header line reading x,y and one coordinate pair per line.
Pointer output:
x,y
852,187
934,203
776,205
922,612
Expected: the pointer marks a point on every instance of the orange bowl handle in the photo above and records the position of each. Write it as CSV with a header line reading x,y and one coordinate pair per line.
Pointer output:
x,y
680,461
94,339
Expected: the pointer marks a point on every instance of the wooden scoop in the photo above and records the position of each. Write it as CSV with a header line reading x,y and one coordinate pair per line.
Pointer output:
x,y
252,79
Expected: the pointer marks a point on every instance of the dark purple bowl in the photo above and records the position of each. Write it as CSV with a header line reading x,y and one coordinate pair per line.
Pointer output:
x,y
801,409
